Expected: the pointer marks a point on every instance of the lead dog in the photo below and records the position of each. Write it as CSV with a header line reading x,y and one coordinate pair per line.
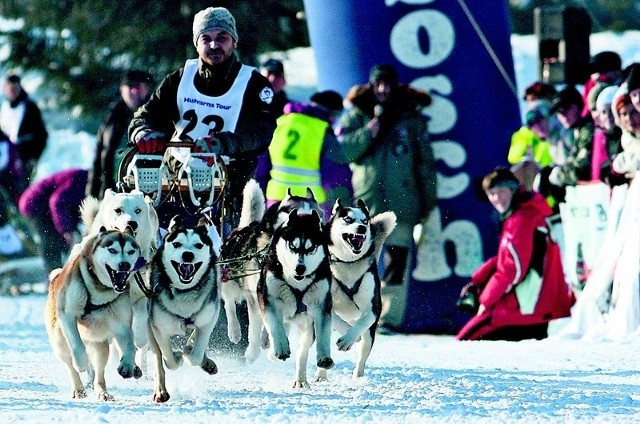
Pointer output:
x,y
88,305
244,251
186,299
117,211
355,242
294,289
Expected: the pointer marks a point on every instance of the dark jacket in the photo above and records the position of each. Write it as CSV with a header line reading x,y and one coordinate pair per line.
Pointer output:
x,y
253,131
112,137
32,135
395,171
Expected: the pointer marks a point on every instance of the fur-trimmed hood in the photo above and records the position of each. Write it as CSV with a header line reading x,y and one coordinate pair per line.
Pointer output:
x,y
404,97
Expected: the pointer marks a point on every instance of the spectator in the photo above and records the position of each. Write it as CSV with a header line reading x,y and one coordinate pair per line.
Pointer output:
x,y
53,205
568,105
522,288
273,69
633,86
222,105
21,121
316,159
12,177
606,69
627,162
607,129
530,151
539,91
384,136
135,89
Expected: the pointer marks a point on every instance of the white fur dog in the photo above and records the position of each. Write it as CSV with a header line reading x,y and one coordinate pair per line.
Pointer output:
x,y
118,211
88,305
355,242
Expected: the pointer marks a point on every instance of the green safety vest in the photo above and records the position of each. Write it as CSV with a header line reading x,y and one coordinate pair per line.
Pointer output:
x,y
295,157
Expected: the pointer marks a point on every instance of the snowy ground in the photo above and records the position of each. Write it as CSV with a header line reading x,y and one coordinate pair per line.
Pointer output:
x,y
413,379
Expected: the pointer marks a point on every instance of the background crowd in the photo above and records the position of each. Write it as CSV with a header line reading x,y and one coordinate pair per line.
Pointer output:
x,y
372,144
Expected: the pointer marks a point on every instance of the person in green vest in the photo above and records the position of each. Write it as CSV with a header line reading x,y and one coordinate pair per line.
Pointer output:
x,y
304,152
529,150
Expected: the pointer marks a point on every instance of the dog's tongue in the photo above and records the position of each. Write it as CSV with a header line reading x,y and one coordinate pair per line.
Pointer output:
x,y
118,279
357,241
187,270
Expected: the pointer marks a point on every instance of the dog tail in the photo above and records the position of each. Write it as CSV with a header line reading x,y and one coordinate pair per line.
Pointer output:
x,y
253,204
381,226
88,211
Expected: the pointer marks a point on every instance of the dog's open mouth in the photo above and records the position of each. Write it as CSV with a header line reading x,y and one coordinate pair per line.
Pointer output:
x,y
186,270
118,279
356,241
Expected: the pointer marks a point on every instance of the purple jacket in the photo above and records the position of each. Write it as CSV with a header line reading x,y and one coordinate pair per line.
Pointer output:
x,y
59,195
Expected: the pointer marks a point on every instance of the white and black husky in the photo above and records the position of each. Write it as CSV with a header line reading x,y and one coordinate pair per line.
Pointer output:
x,y
294,289
185,301
243,255
355,242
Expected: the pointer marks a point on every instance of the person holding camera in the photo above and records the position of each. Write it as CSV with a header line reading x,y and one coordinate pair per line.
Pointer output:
x,y
522,287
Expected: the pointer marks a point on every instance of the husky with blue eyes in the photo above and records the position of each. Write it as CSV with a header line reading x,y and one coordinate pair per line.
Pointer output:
x,y
185,301
294,289
355,240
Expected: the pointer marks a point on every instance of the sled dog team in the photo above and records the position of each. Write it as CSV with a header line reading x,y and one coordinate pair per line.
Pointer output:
x,y
285,262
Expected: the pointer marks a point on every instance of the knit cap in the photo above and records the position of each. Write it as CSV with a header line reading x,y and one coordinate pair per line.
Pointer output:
x,y
605,98
214,18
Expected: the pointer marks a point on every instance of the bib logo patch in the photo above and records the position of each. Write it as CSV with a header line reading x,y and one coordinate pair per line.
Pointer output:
x,y
266,95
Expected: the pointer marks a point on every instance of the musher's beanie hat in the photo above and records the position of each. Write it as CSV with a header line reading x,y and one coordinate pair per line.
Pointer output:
x,y
213,18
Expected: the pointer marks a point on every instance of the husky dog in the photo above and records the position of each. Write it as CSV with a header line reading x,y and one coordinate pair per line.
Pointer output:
x,y
294,288
355,242
244,250
241,274
186,298
88,305
117,211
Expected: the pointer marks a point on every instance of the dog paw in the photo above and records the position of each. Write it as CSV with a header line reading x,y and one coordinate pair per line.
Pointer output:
x,y
321,375
233,332
325,363
209,366
127,370
345,342
79,394
161,396
251,354
137,372
104,396
300,384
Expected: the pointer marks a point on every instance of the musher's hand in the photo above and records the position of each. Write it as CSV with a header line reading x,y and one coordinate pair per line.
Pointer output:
x,y
151,142
207,144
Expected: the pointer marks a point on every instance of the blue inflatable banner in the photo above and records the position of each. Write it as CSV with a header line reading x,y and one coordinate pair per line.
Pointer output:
x,y
459,51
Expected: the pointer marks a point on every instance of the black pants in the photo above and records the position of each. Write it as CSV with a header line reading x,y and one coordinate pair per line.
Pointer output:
x,y
395,263
518,332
